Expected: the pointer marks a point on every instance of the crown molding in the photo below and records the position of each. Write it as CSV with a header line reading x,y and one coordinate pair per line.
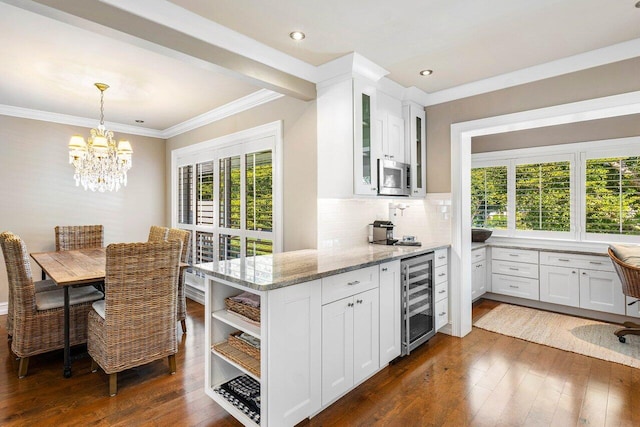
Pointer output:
x,y
239,105
570,64
248,102
66,119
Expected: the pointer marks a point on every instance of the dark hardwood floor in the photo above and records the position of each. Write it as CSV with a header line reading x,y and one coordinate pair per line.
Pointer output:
x,y
484,379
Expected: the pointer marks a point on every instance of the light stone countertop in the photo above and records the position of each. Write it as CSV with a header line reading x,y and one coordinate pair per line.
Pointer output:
x,y
275,271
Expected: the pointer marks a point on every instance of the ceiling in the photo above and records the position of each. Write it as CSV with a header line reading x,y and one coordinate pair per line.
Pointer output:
x,y
170,61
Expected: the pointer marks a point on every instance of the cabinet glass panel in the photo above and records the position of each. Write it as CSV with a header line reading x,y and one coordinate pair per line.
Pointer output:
x,y
418,152
366,139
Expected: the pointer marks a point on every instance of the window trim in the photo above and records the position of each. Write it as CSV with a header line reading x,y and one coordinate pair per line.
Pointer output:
x,y
268,136
579,153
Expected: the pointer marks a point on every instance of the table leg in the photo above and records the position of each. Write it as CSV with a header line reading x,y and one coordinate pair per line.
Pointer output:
x,y
67,350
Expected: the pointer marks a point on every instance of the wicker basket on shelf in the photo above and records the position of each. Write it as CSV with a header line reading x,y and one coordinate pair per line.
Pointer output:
x,y
245,310
251,364
243,346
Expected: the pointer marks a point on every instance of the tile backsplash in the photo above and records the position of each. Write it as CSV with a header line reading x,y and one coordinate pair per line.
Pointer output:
x,y
344,222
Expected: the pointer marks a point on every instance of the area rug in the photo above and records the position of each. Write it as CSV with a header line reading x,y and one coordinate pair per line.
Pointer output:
x,y
582,336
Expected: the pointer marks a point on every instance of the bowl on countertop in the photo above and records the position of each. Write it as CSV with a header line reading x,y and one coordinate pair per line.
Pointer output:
x,y
480,234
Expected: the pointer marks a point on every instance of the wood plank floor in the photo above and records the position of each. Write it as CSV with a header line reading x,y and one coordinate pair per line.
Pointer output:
x,y
484,379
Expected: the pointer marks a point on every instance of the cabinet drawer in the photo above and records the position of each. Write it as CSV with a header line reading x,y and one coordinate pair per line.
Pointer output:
x,y
440,274
512,268
591,262
519,255
350,283
442,313
521,287
478,255
440,257
442,291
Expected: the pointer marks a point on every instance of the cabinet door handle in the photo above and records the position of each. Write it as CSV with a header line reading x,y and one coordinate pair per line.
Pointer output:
x,y
355,282
595,262
391,157
442,291
514,286
415,191
374,188
441,257
384,268
350,304
442,314
514,255
573,272
479,265
514,269
584,273
442,274
563,259
359,301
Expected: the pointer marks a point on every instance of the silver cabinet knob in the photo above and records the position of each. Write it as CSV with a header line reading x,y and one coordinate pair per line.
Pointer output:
x,y
350,304
359,301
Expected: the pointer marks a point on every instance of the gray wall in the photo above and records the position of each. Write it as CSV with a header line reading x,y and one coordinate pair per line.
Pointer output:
x,y
38,191
300,161
611,79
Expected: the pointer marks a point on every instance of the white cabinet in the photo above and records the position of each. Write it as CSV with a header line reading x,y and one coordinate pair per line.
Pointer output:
x,y
393,139
514,272
478,273
441,274
350,330
289,362
390,306
580,280
415,125
367,138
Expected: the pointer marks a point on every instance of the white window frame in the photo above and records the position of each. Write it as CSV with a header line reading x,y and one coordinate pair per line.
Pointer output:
x,y
260,138
577,154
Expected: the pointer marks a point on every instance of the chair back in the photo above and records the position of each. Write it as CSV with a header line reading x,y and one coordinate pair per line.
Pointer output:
x,y
157,233
629,276
140,297
183,236
69,237
20,280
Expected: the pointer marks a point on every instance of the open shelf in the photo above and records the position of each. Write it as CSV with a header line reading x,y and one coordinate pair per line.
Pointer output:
x,y
237,358
228,406
237,322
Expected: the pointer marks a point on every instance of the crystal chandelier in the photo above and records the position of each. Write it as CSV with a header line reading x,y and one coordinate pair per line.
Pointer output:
x,y
100,164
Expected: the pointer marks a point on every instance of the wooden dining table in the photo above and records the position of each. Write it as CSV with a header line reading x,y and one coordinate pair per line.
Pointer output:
x,y
71,268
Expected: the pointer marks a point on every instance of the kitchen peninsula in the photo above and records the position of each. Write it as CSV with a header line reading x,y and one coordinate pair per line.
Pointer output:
x,y
329,320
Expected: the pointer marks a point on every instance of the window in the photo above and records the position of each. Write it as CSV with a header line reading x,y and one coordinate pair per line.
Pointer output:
x,y
612,195
225,192
489,197
543,196
586,191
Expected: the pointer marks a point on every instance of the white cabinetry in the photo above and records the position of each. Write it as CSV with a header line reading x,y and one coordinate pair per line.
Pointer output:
x,y
585,281
478,273
350,330
390,315
367,138
415,124
289,362
515,272
441,274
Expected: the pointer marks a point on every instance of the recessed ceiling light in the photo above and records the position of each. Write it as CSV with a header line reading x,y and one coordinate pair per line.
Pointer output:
x,y
426,72
139,121
638,5
297,35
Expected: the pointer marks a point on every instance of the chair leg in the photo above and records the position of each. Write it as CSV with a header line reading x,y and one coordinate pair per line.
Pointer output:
x,y
183,322
113,384
94,365
24,366
172,364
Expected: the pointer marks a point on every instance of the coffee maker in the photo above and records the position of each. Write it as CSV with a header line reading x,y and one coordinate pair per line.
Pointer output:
x,y
383,233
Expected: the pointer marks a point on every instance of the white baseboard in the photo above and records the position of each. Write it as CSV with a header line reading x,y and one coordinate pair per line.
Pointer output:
x,y
194,294
4,308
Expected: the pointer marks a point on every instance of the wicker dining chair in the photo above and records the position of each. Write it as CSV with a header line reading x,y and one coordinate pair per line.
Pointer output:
x,y
38,318
157,233
70,237
135,323
184,236
40,286
626,261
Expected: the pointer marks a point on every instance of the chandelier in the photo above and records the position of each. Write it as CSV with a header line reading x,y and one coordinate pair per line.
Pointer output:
x,y
100,164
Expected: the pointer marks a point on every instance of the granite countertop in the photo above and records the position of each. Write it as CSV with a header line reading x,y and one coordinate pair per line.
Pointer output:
x,y
274,271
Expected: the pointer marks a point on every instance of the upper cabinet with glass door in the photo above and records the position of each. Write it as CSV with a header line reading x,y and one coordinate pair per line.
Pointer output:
x,y
415,122
367,138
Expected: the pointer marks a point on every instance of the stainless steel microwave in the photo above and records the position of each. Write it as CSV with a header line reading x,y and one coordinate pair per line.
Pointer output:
x,y
393,178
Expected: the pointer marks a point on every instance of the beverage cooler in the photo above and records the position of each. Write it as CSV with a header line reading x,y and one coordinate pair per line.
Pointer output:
x,y
418,317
